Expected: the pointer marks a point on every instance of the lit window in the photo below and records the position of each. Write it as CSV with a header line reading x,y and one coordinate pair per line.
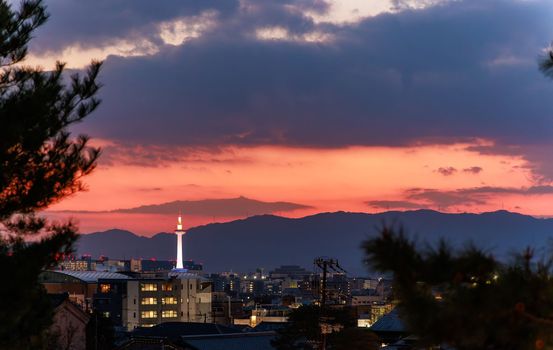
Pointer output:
x,y
105,288
105,314
167,286
148,301
148,325
148,314
168,313
148,287
169,301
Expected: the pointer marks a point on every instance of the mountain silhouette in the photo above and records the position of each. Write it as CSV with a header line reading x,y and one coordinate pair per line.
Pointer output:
x,y
269,241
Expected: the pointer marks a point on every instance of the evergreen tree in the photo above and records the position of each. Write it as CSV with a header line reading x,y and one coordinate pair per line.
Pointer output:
x,y
40,164
546,63
100,333
465,298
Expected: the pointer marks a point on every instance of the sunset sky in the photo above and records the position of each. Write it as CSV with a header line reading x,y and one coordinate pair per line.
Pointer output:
x,y
354,105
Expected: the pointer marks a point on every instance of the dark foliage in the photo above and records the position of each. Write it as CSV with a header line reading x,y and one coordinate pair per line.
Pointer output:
x,y
304,331
466,298
99,333
39,165
546,63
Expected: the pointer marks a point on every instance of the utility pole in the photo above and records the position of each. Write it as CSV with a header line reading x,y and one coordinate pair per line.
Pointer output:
x,y
325,264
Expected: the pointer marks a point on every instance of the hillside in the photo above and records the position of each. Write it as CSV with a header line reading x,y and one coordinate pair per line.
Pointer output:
x,y
268,241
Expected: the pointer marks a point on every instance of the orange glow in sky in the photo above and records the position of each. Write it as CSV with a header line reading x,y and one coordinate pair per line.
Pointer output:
x,y
326,179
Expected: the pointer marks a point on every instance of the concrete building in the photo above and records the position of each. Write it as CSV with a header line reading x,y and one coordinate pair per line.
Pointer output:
x,y
149,299
136,300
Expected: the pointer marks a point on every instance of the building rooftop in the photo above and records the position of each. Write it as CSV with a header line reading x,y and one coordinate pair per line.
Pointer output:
x,y
248,341
56,299
185,275
177,329
84,276
389,323
198,336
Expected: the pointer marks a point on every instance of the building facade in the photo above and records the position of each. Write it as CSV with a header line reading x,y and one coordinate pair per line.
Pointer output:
x,y
150,299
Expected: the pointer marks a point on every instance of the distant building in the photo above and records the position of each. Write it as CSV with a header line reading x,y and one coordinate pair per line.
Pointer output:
x,y
289,271
264,313
359,284
72,263
153,265
338,289
226,282
224,308
367,299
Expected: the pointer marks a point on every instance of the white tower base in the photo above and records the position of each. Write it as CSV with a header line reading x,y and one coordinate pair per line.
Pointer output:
x,y
179,250
179,232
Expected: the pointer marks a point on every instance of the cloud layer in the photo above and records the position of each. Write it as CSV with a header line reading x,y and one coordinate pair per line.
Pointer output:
x,y
185,81
459,71
231,207
422,198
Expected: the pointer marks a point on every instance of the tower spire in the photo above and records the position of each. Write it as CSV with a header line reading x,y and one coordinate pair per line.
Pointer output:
x,y
179,232
179,222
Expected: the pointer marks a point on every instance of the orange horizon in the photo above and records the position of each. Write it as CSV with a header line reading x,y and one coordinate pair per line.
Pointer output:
x,y
438,177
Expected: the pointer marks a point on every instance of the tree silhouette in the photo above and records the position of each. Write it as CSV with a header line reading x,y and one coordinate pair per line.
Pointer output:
x,y
466,298
99,332
40,164
546,62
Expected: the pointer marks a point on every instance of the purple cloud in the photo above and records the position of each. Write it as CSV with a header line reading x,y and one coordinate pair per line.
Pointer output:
x,y
458,72
473,170
446,171
389,205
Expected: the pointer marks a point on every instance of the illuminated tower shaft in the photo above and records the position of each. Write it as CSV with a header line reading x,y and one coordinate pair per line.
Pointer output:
x,y
179,232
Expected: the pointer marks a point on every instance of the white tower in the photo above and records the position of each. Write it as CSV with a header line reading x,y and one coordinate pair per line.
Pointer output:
x,y
179,232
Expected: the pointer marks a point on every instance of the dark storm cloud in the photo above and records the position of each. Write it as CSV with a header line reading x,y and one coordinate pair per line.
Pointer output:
x,y
538,155
91,22
159,156
96,22
458,72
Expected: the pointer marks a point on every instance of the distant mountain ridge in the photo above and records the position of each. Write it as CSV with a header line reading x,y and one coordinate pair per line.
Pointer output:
x,y
269,241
